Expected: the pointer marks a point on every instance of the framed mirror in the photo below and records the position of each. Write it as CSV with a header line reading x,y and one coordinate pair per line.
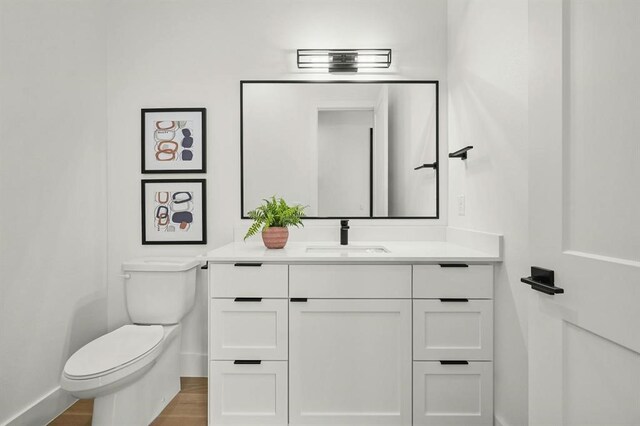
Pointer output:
x,y
345,149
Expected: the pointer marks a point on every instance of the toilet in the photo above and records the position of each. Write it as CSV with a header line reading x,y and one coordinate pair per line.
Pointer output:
x,y
133,372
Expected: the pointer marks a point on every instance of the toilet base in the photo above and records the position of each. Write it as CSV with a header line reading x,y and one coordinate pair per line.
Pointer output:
x,y
138,403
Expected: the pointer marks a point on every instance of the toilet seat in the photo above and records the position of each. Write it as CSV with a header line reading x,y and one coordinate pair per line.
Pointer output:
x,y
113,351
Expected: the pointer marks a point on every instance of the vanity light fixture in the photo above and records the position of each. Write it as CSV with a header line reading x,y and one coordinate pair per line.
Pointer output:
x,y
343,60
461,153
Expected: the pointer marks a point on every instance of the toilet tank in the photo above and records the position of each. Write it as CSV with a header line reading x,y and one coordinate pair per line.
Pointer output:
x,y
160,290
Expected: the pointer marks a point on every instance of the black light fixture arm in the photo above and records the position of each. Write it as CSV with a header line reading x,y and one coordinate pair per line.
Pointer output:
x,y
427,166
461,153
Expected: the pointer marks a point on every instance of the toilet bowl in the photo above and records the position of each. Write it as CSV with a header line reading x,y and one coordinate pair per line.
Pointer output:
x,y
133,372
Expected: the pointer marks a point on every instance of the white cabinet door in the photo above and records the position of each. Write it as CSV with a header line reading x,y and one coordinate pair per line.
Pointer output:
x,y
248,394
350,362
453,329
452,394
249,328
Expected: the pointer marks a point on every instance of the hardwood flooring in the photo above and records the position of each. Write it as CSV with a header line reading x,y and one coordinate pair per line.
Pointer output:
x,y
188,408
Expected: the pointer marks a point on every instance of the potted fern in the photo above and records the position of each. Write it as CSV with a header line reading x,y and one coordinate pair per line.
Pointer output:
x,y
273,218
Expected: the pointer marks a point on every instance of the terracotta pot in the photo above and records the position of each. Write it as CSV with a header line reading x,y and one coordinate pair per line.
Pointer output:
x,y
275,237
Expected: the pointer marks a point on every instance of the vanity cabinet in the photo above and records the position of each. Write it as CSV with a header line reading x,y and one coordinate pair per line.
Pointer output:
x,y
453,345
350,362
350,344
248,344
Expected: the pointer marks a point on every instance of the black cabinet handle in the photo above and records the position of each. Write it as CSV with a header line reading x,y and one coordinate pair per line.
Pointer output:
x,y
205,266
298,299
453,265
248,299
542,280
254,264
246,361
454,362
453,300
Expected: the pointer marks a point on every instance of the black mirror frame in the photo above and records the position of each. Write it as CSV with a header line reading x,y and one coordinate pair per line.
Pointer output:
x,y
436,168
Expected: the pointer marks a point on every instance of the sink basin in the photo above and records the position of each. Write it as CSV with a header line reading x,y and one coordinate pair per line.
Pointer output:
x,y
347,249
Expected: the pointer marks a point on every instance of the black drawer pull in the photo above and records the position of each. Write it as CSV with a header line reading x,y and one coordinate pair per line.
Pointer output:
x,y
453,265
454,362
453,300
254,264
246,361
248,299
298,299
205,266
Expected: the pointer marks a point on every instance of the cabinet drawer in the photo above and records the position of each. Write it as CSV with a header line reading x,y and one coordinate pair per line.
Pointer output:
x,y
249,329
248,394
248,280
435,281
453,330
350,281
460,395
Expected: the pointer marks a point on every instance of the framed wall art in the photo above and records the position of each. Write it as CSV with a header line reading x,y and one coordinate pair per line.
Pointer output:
x,y
174,211
174,140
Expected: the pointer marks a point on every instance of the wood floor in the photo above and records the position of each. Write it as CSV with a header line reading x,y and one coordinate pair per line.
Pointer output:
x,y
188,408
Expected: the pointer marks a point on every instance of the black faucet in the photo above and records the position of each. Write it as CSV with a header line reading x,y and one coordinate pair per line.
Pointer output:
x,y
344,232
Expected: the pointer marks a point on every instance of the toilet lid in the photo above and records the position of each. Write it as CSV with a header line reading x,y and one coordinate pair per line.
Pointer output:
x,y
114,350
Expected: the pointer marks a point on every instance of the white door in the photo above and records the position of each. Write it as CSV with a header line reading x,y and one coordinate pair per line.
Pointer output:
x,y
344,162
350,362
584,344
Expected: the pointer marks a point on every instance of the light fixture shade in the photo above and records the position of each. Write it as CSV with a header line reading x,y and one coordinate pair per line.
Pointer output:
x,y
344,60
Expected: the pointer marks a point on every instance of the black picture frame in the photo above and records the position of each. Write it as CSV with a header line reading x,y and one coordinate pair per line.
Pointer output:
x,y
436,165
145,210
147,168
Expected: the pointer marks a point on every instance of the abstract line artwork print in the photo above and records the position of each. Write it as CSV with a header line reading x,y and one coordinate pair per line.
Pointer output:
x,y
174,140
174,211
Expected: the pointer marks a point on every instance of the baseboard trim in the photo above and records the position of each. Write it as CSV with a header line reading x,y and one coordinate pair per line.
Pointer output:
x,y
43,410
52,404
193,365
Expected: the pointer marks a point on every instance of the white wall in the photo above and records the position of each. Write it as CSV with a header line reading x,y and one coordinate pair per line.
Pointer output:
x,y
52,186
194,53
488,98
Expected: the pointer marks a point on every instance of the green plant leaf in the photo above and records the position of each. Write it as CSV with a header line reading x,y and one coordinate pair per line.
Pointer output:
x,y
274,212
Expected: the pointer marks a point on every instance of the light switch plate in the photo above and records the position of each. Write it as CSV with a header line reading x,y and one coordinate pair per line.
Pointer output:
x,y
461,205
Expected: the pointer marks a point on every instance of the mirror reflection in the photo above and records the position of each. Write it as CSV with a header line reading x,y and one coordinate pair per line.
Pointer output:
x,y
344,149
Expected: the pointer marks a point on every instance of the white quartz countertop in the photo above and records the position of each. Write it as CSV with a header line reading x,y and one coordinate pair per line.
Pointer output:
x,y
399,252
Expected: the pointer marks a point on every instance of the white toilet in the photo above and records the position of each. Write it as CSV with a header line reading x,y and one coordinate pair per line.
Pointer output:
x,y
134,371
